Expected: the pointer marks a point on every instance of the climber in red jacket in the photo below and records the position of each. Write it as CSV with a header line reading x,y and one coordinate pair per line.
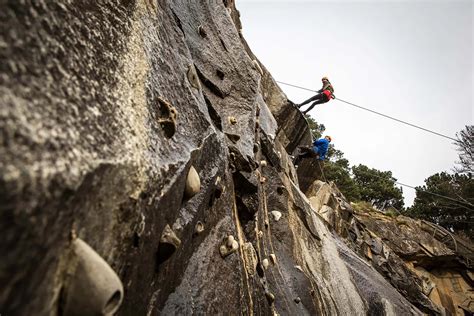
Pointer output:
x,y
324,95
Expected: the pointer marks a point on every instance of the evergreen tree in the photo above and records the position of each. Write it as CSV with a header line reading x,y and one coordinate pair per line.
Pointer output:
x,y
316,129
378,187
456,212
465,146
339,172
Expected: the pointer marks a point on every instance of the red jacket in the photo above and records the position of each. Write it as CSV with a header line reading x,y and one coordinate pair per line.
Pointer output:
x,y
328,94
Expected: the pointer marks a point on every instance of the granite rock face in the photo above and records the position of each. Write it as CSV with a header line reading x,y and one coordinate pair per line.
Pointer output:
x,y
431,267
140,127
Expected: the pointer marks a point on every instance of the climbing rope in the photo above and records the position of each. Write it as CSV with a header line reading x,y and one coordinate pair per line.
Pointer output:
x,y
459,203
322,171
397,120
378,113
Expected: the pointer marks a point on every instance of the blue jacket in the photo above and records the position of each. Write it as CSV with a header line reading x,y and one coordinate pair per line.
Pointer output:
x,y
320,147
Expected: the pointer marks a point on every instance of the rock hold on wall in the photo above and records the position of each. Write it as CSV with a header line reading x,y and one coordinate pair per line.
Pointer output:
x,y
151,130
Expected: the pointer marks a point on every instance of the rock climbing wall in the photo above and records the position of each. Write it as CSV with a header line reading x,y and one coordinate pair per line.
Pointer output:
x,y
142,141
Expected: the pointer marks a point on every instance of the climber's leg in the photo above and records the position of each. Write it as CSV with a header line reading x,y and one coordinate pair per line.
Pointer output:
x,y
313,98
323,99
304,152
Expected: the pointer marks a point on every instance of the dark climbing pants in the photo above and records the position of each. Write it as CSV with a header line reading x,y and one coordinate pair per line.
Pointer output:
x,y
318,99
305,152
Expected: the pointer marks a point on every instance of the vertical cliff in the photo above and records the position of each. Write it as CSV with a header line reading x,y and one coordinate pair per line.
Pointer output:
x,y
148,130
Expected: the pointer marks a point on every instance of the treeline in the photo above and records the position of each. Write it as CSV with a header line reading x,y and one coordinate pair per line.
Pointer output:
x,y
446,198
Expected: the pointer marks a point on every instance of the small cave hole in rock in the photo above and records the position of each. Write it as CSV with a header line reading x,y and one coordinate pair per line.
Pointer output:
x,y
168,245
220,74
209,84
245,215
61,301
165,251
167,117
136,240
178,22
215,195
223,44
216,119
280,190
202,31
260,270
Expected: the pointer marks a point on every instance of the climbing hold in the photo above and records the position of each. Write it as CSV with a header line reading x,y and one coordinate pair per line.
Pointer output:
x,y
193,183
265,263
202,31
169,243
193,78
233,137
297,300
263,163
230,241
91,286
270,297
260,234
230,246
263,179
257,66
256,148
199,228
168,116
232,120
273,258
266,223
299,268
276,215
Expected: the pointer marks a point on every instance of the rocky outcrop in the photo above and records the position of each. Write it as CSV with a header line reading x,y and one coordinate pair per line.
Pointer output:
x,y
431,267
149,131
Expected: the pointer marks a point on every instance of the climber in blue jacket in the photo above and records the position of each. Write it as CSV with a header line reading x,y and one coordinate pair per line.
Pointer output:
x,y
320,146
319,150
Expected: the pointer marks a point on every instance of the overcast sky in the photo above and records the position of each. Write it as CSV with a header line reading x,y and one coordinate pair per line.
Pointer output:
x,y
409,59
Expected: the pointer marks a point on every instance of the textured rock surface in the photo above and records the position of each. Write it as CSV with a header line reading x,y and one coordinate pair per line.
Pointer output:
x,y
105,107
429,266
